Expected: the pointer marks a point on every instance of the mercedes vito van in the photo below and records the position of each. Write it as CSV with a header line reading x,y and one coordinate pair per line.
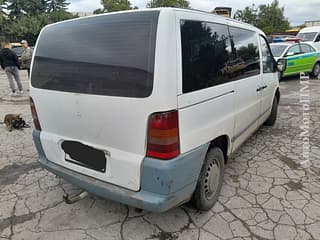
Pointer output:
x,y
145,107
311,35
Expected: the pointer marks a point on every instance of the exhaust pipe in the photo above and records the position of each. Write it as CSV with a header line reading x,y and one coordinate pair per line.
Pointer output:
x,y
72,199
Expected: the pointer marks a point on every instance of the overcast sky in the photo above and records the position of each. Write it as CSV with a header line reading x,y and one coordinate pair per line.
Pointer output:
x,y
297,11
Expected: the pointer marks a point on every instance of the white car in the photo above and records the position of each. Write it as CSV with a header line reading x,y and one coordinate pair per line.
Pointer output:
x,y
300,57
136,106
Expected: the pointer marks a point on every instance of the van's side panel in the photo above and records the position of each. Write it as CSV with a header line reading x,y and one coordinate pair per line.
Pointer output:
x,y
205,113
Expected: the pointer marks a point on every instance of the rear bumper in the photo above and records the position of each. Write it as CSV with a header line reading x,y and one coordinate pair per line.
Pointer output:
x,y
164,184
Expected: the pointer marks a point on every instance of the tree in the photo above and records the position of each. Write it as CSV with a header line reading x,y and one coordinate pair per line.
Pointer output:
x,y
23,19
248,15
168,3
33,8
14,8
98,11
29,27
270,18
115,5
2,20
55,5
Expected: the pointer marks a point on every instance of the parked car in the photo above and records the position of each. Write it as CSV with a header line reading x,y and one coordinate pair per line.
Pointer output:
x,y
310,35
18,51
276,37
136,107
301,57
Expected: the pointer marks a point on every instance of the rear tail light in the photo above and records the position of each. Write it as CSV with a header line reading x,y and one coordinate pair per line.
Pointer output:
x,y
163,135
34,115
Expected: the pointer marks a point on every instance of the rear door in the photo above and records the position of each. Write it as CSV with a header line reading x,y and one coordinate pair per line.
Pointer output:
x,y
309,57
93,85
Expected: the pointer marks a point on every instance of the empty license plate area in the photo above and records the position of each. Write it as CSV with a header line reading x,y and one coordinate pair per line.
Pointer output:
x,y
84,155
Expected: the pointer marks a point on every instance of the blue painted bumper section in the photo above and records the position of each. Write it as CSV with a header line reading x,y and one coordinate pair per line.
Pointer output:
x,y
164,184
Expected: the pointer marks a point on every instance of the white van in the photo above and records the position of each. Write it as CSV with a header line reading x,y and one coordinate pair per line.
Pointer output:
x,y
311,35
145,107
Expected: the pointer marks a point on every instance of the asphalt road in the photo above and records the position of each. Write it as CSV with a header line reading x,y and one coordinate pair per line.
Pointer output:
x,y
269,192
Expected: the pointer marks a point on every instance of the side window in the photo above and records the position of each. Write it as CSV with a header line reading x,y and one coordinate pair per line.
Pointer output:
x,y
294,50
306,48
205,54
268,63
318,38
245,53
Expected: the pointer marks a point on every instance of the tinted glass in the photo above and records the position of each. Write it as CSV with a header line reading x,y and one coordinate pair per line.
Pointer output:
x,y
268,63
205,54
318,38
104,55
245,53
277,50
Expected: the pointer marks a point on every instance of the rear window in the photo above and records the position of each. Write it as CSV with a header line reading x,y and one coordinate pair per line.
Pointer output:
x,y
104,55
307,36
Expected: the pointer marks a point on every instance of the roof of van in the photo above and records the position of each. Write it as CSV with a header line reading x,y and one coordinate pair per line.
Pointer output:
x,y
310,29
171,9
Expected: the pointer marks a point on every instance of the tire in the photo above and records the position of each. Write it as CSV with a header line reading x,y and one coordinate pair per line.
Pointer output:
x,y
210,180
316,70
274,113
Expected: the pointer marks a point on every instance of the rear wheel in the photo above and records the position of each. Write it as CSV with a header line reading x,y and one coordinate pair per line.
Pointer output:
x,y
210,180
316,70
274,113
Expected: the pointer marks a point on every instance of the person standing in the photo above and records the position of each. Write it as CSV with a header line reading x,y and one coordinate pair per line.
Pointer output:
x,y
26,56
10,64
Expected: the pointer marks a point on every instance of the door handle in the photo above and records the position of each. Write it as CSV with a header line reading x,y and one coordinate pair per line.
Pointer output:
x,y
259,89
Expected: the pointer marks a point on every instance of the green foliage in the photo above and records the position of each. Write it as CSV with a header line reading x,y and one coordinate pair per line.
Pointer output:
x,y
115,5
56,5
268,17
98,11
24,19
247,15
168,3
14,7
271,18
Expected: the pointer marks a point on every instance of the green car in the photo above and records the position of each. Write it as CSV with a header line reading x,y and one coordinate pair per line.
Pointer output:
x,y
301,57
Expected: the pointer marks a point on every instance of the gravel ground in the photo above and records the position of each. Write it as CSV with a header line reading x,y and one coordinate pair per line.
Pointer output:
x,y
267,193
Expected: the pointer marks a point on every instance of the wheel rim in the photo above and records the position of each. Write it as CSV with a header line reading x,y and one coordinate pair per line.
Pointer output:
x,y
316,70
211,181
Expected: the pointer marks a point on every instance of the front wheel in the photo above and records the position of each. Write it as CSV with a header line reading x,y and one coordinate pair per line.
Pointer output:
x,y
316,70
210,180
274,113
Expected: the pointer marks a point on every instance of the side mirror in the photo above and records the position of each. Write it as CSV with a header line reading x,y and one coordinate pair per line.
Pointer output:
x,y
290,54
282,65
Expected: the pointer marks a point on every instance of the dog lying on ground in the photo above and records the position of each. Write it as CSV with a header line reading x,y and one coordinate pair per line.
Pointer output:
x,y
14,121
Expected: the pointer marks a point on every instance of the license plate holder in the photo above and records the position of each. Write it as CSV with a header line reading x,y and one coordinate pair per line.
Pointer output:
x,y
84,155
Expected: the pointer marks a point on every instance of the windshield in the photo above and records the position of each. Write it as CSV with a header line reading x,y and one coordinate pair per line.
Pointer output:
x,y
104,55
307,36
277,50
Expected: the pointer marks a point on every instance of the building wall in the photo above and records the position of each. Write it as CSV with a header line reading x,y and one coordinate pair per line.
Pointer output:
x,y
312,23
83,14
